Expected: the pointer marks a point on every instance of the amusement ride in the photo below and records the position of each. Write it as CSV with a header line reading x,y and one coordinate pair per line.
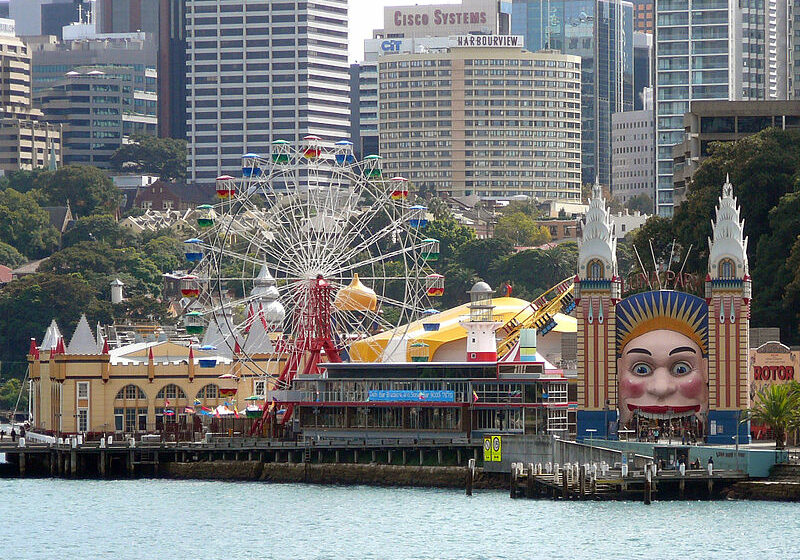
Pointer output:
x,y
310,250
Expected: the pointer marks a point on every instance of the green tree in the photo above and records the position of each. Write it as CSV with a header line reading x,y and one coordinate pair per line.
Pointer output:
x,y
143,308
97,227
22,180
762,168
166,252
29,304
520,229
533,271
451,235
641,202
165,157
25,226
88,190
659,232
98,264
481,255
10,392
777,406
9,256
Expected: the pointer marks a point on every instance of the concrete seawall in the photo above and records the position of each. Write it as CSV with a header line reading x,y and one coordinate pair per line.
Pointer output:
x,y
337,473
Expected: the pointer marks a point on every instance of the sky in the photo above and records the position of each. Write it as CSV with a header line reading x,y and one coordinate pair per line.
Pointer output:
x,y
366,15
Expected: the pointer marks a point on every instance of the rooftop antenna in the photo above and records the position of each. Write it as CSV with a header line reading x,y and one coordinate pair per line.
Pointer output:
x,y
683,265
655,266
671,252
644,270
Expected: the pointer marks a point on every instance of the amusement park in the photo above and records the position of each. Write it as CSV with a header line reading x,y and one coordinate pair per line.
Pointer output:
x,y
311,316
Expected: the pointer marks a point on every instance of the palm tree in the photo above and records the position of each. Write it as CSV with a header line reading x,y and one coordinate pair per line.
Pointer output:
x,y
778,406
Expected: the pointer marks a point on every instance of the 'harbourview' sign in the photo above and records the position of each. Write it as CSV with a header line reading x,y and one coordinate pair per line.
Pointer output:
x,y
505,41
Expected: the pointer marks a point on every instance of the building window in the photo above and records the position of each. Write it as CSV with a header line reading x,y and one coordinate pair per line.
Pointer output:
x,y
259,387
210,391
83,390
171,391
83,420
596,270
727,269
131,392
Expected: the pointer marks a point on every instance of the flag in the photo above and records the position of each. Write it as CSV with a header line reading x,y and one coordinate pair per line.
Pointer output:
x,y
189,410
474,396
197,402
166,402
168,412
205,412
235,413
205,409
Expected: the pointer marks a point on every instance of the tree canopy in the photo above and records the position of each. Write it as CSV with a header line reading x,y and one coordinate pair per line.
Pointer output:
x,y
25,226
87,189
29,304
521,230
165,157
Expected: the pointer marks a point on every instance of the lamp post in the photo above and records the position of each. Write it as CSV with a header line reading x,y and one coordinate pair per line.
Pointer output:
x,y
591,443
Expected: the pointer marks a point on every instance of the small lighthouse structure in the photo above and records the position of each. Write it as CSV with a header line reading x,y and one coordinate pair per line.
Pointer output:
x,y
116,291
481,326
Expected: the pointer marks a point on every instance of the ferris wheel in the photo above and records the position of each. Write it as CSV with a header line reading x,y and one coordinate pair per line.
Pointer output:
x,y
307,252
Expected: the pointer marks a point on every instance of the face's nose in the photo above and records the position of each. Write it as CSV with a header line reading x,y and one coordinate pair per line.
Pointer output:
x,y
662,384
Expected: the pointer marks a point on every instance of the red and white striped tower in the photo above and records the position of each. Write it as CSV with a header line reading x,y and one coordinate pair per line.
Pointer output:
x,y
481,326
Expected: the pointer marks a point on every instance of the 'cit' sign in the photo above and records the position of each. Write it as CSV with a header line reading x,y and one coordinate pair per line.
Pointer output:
x,y
492,449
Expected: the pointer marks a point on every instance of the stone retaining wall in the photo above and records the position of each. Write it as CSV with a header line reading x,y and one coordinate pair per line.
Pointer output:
x,y
335,473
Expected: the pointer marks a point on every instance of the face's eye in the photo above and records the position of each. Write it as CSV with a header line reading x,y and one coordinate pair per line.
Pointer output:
x,y
641,368
681,368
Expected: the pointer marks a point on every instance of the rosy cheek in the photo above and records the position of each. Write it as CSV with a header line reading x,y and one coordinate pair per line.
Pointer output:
x,y
691,386
632,387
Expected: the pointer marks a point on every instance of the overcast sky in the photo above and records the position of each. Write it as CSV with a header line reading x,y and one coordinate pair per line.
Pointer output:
x,y
366,15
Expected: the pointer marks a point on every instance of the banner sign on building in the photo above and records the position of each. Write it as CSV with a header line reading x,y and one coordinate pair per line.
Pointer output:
x,y
505,41
412,396
492,449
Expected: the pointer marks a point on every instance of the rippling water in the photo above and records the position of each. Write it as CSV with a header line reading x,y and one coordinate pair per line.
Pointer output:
x,y
153,519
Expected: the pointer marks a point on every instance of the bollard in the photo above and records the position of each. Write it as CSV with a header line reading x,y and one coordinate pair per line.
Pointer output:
x,y
648,477
470,476
582,485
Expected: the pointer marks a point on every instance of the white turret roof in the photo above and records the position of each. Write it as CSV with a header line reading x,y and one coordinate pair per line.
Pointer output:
x,y
219,333
258,341
728,239
51,336
82,342
599,239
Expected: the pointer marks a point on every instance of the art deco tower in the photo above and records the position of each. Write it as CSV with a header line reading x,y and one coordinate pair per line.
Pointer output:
x,y
597,291
728,292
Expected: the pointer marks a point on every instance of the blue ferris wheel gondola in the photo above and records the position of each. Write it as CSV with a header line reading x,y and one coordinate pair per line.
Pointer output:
x,y
249,166
193,251
346,155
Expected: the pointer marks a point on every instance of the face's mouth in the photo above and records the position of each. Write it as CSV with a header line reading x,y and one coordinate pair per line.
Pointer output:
x,y
664,412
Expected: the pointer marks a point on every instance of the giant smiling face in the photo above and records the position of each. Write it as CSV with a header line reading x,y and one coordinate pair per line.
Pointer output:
x,y
662,374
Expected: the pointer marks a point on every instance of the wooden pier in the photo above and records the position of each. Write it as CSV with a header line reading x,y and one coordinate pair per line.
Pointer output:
x,y
121,458
598,482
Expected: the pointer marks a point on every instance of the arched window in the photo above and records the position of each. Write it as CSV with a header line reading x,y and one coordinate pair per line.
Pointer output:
x,y
171,391
595,270
210,391
727,269
130,415
131,393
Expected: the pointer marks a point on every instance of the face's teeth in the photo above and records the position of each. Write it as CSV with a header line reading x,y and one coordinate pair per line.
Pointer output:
x,y
665,415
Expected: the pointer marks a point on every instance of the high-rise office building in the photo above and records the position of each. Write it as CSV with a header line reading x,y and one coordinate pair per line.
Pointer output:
x,y
713,49
99,108
26,141
633,154
642,67
644,15
491,121
601,33
127,16
262,71
431,24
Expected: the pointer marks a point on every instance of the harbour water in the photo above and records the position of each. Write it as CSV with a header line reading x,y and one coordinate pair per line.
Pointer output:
x,y
149,519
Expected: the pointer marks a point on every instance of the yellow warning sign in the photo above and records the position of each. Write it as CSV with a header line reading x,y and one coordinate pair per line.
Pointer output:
x,y
487,449
497,448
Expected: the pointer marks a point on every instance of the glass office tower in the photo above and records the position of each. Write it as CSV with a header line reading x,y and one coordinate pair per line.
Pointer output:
x,y
601,33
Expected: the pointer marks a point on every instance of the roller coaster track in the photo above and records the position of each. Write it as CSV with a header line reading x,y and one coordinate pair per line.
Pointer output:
x,y
537,315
